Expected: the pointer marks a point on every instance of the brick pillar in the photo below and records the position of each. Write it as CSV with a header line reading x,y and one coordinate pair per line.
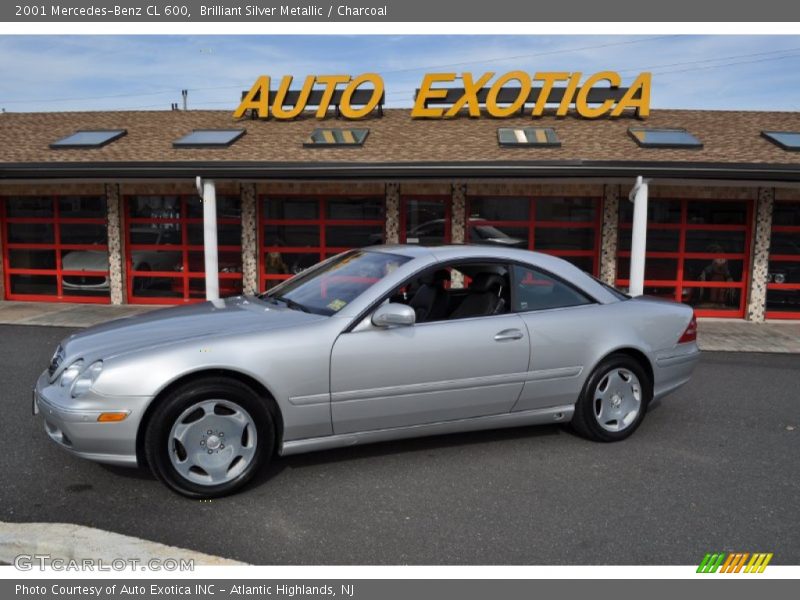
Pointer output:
x,y
458,219
250,279
458,232
392,227
757,297
116,245
608,244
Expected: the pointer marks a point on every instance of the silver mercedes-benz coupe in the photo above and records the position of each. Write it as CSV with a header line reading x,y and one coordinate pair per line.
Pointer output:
x,y
375,344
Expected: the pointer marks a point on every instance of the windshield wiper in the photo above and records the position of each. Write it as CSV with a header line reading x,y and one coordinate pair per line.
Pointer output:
x,y
288,302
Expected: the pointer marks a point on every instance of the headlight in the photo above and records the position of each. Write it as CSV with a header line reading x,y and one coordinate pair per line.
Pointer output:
x,y
71,372
87,379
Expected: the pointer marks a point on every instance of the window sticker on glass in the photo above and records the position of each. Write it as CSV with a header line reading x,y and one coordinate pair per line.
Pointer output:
x,y
337,304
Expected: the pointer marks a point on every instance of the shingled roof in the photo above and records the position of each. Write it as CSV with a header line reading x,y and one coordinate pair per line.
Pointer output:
x,y
731,140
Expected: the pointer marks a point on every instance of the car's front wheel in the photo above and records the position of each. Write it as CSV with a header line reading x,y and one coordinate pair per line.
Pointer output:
x,y
614,400
209,438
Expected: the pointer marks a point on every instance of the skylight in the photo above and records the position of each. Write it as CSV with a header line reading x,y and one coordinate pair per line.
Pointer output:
x,y
527,136
664,138
89,138
788,140
209,138
336,137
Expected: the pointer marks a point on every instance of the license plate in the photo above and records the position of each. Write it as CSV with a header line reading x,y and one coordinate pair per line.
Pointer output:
x,y
35,404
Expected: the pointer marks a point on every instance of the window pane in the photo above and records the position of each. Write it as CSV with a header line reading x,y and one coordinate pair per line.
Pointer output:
x,y
563,239
292,235
783,271
155,207
82,207
290,208
84,233
783,300
786,213
504,208
712,298
228,207
353,236
84,260
227,262
361,208
32,259
289,263
497,235
566,209
715,242
719,269
537,291
655,269
31,233
658,211
163,233
716,212
658,240
34,284
157,260
785,243
29,206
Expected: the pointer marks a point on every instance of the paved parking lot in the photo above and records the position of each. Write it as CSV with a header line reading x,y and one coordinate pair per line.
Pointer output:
x,y
713,468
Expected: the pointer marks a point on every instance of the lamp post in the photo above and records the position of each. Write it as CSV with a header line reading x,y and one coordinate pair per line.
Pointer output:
x,y
208,195
638,196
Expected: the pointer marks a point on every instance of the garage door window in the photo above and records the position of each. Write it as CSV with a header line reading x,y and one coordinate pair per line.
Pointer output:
x,y
299,231
783,274
55,248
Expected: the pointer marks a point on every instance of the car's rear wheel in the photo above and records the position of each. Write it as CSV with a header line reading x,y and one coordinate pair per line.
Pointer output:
x,y
614,400
209,438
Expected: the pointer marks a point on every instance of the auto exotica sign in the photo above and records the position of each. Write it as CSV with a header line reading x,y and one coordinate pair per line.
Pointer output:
x,y
492,95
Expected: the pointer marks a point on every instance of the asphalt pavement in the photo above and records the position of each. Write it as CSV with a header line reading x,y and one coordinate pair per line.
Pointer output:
x,y
712,468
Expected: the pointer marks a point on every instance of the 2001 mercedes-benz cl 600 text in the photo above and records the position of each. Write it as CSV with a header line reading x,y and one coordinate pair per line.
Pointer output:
x,y
374,344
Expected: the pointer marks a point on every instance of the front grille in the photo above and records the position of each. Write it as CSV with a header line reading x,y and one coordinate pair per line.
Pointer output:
x,y
56,361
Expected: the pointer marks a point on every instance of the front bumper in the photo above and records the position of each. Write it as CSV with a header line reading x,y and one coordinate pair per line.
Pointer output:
x,y
72,423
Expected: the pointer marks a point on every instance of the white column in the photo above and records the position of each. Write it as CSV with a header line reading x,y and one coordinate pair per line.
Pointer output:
x,y
208,194
638,196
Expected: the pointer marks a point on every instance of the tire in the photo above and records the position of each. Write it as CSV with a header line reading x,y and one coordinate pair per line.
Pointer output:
x,y
610,408
208,438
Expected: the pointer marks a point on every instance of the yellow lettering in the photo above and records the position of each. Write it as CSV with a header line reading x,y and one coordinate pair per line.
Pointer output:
x,y
569,92
377,92
491,98
470,97
426,93
330,82
257,98
629,100
548,81
581,104
280,98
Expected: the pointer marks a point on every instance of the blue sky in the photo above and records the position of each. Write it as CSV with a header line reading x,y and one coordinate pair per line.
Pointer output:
x,y
47,73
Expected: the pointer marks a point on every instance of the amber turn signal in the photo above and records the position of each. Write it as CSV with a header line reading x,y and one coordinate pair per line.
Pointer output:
x,y
110,417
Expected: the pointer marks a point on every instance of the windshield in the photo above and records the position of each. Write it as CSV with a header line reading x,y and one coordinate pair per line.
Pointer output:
x,y
330,287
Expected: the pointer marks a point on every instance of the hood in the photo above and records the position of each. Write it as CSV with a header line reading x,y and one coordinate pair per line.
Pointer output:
x,y
85,260
241,314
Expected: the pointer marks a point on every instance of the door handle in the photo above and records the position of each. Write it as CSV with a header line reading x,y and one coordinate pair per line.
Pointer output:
x,y
508,334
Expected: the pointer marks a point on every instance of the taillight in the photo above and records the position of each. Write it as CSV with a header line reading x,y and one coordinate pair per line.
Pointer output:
x,y
690,335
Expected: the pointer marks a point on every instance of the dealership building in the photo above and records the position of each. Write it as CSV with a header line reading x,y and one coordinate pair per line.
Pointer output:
x,y
103,207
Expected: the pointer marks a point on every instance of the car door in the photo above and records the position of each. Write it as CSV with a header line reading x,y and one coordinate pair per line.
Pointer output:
x,y
427,372
558,318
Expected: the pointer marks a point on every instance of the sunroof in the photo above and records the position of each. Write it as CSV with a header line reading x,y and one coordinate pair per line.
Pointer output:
x,y
527,136
336,137
89,138
209,138
788,140
664,138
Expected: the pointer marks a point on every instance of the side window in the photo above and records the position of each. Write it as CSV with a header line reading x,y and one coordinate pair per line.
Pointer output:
x,y
536,290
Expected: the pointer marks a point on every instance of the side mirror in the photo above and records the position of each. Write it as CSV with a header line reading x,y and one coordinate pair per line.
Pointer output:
x,y
393,315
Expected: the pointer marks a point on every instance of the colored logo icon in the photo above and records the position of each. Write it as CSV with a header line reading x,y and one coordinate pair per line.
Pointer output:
x,y
734,562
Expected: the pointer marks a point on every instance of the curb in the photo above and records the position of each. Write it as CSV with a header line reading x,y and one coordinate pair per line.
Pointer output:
x,y
66,541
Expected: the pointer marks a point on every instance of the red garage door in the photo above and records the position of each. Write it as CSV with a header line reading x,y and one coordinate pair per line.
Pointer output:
x,y
55,248
568,227
299,231
783,278
698,252
165,262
